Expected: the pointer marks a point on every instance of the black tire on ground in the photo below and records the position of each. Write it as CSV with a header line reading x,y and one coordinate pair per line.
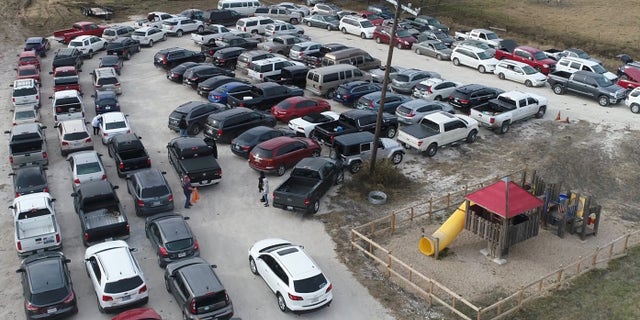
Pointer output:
x,y
281,170
355,167
399,45
431,151
635,108
438,56
164,37
314,207
418,51
282,305
363,36
329,27
294,21
179,33
378,40
501,76
252,266
558,89
541,112
482,69
472,136
127,55
150,43
200,29
194,129
396,158
504,128
344,30
528,83
309,23
456,62
339,177
603,101
391,132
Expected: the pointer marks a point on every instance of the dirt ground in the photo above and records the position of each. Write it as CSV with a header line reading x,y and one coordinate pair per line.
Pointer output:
x,y
588,157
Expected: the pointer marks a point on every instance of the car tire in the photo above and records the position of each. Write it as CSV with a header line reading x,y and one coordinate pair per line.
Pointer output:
x,y
315,154
254,32
439,57
282,304
281,170
166,285
127,55
377,39
315,207
472,136
391,132
100,308
418,52
528,83
344,30
635,108
558,89
294,21
603,101
456,62
104,46
194,129
399,45
150,43
90,54
179,33
355,167
200,29
309,24
164,37
363,36
339,178
329,28
252,266
161,263
396,158
541,112
504,128
330,93
482,69
431,151
501,76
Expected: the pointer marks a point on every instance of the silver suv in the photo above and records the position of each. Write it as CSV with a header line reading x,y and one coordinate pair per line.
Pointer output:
x,y
356,148
106,79
279,13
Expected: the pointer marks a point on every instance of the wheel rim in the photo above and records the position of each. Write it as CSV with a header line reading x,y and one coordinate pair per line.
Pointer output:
x,y
340,178
281,304
315,153
397,158
505,127
603,101
432,150
355,167
309,24
363,36
328,27
481,69
501,76
281,170
557,90
417,51
473,135
164,36
399,45
528,83
635,108
252,266
439,57
456,61
378,40
391,133
179,33
150,43
316,206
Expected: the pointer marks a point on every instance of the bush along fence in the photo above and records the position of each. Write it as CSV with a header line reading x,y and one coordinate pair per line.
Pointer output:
x,y
433,292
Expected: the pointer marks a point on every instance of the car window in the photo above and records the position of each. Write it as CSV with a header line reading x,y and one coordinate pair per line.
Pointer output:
x,y
96,269
309,285
88,168
123,285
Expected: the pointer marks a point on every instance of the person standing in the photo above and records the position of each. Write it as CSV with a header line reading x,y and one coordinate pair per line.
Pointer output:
x,y
187,188
265,191
260,182
182,125
95,123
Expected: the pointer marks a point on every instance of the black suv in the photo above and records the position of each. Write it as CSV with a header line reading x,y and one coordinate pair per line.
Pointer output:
x,y
226,125
197,290
150,191
123,47
171,238
227,57
223,17
68,57
206,86
193,76
171,57
196,113
176,73
472,95
46,286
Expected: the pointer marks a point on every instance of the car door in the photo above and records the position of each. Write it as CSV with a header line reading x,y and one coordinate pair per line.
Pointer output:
x,y
95,274
266,267
154,236
453,131
179,290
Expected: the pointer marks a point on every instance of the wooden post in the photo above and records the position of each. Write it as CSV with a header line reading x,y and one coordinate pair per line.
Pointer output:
x,y
448,201
431,210
411,214
520,296
559,277
437,248
393,222
430,293
352,239
594,259
389,264
578,265
611,250
626,243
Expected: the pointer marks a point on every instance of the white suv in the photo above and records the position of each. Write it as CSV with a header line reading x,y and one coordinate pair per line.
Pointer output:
x,y
291,274
25,92
178,26
254,25
149,35
358,26
73,136
262,69
474,57
88,45
116,276
633,100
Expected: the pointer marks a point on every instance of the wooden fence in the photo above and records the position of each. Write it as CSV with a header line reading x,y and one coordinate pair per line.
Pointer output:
x,y
434,292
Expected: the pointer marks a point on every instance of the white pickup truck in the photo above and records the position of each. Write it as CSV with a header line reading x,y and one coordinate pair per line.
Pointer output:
x,y
487,36
209,34
508,108
436,130
36,226
154,19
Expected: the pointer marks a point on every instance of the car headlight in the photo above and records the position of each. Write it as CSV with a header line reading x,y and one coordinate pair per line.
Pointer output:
x,y
545,66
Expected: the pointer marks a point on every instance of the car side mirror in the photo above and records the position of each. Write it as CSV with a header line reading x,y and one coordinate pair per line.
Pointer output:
x,y
11,207
93,96
67,260
163,172
133,249
74,194
7,131
50,72
186,218
53,199
116,187
16,69
12,174
21,270
43,127
214,266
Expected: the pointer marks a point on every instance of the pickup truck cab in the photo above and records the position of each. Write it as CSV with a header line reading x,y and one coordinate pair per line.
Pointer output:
x,y
525,54
508,108
36,227
154,19
487,36
436,130
101,214
353,149
309,180
128,153
209,34
194,157
82,28
587,83
355,121
68,57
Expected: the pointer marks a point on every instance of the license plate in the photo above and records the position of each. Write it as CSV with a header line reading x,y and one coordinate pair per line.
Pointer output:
x,y
52,310
107,108
156,203
237,147
338,96
182,254
125,298
290,208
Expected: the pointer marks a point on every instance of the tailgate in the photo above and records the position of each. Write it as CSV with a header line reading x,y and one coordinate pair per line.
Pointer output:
x,y
408,139
37,233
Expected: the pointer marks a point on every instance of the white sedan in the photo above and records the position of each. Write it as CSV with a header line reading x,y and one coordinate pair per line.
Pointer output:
x,y
306,124
520,72
86,166
88,45
113,124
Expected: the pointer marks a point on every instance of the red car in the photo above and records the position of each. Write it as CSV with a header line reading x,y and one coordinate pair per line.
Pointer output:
x,y
28,71
29,57
138,314
65,78
278,154
295,107
375,19
403,39
630,78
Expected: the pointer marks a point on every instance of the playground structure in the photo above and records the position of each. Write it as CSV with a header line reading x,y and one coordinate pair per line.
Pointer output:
x,y
502,213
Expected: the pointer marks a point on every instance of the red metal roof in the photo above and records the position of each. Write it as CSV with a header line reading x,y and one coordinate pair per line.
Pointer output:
x,y
494,198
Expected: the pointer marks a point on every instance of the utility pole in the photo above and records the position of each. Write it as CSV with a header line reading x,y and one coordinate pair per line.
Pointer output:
x,y
385,81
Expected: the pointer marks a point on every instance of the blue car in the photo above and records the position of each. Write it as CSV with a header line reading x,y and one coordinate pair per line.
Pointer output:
x,y
220,94
348,93
372,100
39,44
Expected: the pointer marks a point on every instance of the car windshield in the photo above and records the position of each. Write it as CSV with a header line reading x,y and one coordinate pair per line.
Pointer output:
x,y
107,80
540,55
26,114
109,32
75,44
603,82
178,245
309,285
484,55
529,70
75,136
285,105
491,36
366,24
156,191
439,46
331,19
107,102
123,285
598,69
140,33
88,168
115,125
404,34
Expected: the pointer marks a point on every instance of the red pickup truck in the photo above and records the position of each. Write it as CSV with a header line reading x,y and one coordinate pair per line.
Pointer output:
x,y
529,55
65,78
82,28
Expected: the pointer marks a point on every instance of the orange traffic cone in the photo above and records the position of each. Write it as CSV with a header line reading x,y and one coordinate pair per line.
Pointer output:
x,y
558,116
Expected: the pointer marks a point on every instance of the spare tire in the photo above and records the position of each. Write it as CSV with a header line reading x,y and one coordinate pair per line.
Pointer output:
x,y
377,197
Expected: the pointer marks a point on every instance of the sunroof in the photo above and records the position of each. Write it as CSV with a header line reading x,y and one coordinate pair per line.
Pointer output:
x,y
287,251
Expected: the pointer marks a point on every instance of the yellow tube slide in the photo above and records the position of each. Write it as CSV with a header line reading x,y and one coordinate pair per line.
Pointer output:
x,y
446,233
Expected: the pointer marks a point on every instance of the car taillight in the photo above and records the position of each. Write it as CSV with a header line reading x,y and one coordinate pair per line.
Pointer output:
x,y
245,148
107,298
295,298
244,29
164,60
220,172
105,134
88,140
419,143
18,194
64,143
371,104
121,165
429,90
492,120
464,101
86,237
76,181
170,198
143,289
196,246
261,76
149,161
329,288
69,298
219,133
11,159
226,298
307,202
13,99
411,114
44,154
270,50
192,306
45,190
140,203
19,246
104,177
57,238
128,228
30,307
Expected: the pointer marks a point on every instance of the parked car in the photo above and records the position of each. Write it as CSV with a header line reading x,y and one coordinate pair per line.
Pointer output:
x,y
295,107
36,226
205,87
349,93
354,149
180,25
412,111
326,9
105,101
472,95
292,276
116,276
435,89
27,145
25,114
149,35
197,289
114,62
372,101
28,72
73,136
227,57
176,74
171,238
123,47
402,38
299,50
279,13
193,76
409,78
436,35
38,44
117,31
433,48
473,57
520,72
171,57
377,75
278,154
324,21
113,123
196,158
246,141
29,58
304,126
86,166
633,100
436,130
138,314
220,94
228,124
25,92
47,288
280,28
67,105
88,45
128,153
195,114
106,79
150,192
357,26
29,179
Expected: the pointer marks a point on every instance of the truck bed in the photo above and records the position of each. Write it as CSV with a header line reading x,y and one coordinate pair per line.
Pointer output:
x,y
418,131
35,227
297,186
103,218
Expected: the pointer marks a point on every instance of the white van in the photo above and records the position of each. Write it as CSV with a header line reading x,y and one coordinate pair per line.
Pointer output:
x,y
359,26
571,64
266,68
323,81
246,7
474,57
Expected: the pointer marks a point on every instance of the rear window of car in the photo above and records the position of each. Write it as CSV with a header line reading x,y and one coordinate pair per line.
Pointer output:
x,y
115,125
170,23
24,147
27,114
88,168
23,92
402,77
28,181
108,80
309,285
262,153
211,301
155,191
109,32
139,33
75,136
284,104
179,244
123,285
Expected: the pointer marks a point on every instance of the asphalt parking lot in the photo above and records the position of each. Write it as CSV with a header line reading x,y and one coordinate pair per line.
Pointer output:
x,y
229,217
